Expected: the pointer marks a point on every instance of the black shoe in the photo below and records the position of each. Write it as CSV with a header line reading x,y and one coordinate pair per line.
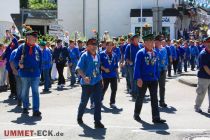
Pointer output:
x,y
11,96
45,91
80,121
164,105
137,118
37,114
25,111
19,102
99,125
161,121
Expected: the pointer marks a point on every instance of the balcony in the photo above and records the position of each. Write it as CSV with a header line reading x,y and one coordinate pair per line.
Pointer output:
x,y
39,14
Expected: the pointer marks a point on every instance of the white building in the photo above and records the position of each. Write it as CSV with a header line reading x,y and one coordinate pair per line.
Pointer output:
x,y
7,7
115,15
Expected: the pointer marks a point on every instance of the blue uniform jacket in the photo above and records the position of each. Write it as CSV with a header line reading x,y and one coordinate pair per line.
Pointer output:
x,y
32,63
90,68
173,52
181,51
109,62
130,52
46,59
116,50
204,60
162,58
194,51
168,51
187,52
61,55
8,52
146,67
201,47
12,58
74,55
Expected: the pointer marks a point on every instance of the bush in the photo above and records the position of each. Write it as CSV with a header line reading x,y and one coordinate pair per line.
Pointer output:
x,y
42,5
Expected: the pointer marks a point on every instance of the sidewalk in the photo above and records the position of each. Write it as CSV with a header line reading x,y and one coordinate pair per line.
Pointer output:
x,y
189,78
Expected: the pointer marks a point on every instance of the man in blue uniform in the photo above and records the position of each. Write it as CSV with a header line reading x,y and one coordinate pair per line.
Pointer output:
x,y
128,85
201,46
194,54
60,57
167,45
29,56
74,56
181,52
109,68
88,68
81,46
203,76
162,63
186,56
46,65
174,57
103,46
14,66
146,74
130,55
116,50
6,56
122,51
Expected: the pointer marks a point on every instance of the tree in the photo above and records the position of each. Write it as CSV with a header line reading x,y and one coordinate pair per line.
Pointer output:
x,y
38,4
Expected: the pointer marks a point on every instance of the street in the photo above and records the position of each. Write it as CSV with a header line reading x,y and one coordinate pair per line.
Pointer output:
x,y
59,113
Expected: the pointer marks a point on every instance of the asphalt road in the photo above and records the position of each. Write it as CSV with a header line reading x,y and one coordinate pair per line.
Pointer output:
x,y
59,111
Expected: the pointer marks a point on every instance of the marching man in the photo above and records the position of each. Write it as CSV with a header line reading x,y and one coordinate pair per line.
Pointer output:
x,y
146,73
88,68
203,76
29,56
109,67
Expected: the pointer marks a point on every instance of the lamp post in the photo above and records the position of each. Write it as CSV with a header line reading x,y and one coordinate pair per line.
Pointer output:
x,y
141,21
98,19
84,9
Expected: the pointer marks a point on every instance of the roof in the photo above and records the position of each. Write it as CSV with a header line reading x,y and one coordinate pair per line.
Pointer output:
x,y
148,12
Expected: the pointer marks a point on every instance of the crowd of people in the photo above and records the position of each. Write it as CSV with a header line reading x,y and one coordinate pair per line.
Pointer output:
x,y
144,63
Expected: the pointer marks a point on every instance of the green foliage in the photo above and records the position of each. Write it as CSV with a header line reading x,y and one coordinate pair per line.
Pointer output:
x,y
47,37
42,5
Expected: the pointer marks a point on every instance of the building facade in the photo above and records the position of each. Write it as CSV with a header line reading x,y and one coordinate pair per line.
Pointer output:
x,y
116,16
8,7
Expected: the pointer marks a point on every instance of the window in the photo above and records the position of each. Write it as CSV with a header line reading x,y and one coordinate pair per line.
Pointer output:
x,y
145,31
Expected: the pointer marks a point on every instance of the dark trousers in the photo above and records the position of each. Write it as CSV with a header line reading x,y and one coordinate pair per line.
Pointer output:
x,y
12,83
60,68
128,85
186,61
113,82
169,68
152,86
192,62
94,91
162,83
175,65
42,77
180,64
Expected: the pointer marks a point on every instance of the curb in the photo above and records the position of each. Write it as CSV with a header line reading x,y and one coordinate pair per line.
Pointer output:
x,y
185,74
187,83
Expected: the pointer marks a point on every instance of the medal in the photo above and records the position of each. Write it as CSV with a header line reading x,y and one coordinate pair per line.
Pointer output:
x,y
163,62
94,74
37,55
